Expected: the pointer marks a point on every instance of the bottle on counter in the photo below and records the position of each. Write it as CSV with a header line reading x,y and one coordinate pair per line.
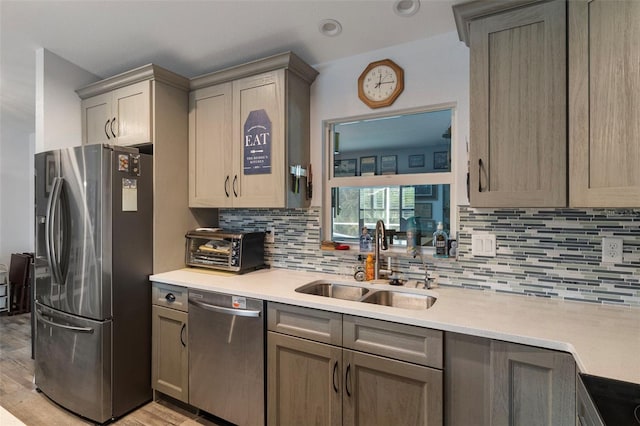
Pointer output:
x,y
440,239
369,268
365,241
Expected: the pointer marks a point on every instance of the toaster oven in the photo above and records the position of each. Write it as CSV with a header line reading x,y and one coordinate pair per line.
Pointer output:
x,y
225,250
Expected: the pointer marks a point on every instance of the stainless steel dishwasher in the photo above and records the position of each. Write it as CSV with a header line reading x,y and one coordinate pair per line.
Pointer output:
x,y
226,356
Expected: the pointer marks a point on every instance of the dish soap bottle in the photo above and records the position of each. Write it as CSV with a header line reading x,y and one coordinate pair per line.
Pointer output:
x,y
440,241
369,268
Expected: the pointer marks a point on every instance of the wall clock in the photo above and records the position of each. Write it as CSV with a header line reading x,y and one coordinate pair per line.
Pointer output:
x,y
380,83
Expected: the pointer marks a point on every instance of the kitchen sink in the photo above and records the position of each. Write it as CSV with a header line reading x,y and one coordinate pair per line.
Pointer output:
x,y
329,289
398,299
395,299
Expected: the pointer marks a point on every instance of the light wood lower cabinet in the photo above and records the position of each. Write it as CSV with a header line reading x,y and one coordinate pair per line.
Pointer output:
x,y
304,380
321,383
382,391
170,336
495,383
170,356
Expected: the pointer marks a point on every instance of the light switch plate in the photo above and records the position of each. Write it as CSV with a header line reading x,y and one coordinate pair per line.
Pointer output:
x,y
612,250
483,245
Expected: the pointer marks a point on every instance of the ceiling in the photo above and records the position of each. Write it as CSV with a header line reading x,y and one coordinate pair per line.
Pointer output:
x,y
192,37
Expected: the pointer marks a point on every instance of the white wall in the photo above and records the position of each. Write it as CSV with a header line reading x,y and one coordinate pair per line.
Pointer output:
x,y
57,124
58,121
436,71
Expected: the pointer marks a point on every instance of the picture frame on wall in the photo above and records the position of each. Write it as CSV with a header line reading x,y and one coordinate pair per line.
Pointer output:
x,y
343,168
388,164
368,166
441,160
416,160
424,210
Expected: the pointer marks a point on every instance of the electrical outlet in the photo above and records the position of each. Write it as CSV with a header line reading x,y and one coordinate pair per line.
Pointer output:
x,y
270,235
483,245
612,250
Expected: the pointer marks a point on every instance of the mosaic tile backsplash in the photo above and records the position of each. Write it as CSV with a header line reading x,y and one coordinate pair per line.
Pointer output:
x,y
542,252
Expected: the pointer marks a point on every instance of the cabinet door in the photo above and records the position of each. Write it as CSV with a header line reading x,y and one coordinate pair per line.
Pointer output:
x,y
531,386
259,139
303,380
96,120
132,114
170,360
518,108
382,391
210,153
604,96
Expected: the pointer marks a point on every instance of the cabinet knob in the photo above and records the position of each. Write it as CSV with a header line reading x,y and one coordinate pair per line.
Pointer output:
x,y
170,297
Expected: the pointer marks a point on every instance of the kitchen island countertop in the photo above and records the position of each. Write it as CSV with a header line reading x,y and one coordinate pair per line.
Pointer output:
x,y
604,339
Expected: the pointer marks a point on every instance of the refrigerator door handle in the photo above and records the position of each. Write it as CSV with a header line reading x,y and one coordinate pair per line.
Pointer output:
x,y
66,327
58,256
49,229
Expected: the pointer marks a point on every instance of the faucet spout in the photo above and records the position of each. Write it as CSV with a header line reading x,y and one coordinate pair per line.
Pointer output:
x,y
381,243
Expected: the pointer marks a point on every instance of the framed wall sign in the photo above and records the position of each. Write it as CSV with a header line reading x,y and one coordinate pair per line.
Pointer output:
x,y
342,168
441,160
416,160
388,164
367,166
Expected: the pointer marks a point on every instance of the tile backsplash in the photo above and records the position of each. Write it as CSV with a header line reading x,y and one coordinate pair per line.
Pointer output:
x,y
542,252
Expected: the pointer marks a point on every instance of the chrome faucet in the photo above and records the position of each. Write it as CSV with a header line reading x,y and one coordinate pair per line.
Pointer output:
x,y
381,242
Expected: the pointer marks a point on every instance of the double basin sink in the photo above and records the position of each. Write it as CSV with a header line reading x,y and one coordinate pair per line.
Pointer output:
x,y
393,298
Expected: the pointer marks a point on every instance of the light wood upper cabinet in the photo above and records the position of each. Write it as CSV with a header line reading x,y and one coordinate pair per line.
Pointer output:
x,y
121,116
253,114
210,124
518,107
604,103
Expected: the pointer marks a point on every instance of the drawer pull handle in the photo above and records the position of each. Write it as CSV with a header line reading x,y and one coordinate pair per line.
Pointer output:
x,y
235,180
346,381
480,175
170,297
335,370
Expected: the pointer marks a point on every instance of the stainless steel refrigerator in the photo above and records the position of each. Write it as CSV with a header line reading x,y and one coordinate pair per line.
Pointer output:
x,y
93,258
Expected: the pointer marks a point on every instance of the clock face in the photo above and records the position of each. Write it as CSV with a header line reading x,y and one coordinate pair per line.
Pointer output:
x,y
380,83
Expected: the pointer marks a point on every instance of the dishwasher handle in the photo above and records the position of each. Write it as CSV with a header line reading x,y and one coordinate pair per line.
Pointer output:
x,y
225,310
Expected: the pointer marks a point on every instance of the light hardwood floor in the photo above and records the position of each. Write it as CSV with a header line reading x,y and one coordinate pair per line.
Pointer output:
x,y
18,394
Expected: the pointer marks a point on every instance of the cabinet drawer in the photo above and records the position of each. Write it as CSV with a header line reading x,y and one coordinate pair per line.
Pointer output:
x,y
404,342
170,296
313,324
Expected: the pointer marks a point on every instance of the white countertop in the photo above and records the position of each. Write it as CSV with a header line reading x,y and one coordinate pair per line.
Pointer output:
x,y
605,340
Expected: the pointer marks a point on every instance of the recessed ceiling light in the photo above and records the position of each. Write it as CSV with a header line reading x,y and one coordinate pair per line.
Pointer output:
x,y
406,7
330,27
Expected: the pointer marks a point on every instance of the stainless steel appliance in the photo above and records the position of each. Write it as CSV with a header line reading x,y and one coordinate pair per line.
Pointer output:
x,y
234,251
92,296
226,356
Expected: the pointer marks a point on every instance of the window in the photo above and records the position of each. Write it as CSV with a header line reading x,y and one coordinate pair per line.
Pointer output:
x,y
391,167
